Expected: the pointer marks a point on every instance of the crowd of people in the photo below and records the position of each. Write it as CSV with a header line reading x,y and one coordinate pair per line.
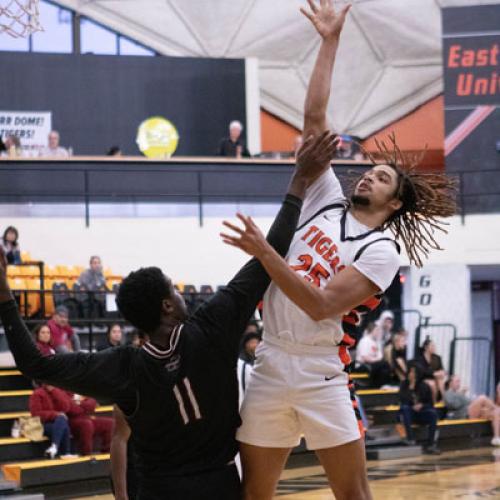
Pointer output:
x,y
422,381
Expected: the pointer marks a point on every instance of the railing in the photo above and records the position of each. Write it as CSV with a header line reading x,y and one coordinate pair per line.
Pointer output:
x,y
477,367
82,304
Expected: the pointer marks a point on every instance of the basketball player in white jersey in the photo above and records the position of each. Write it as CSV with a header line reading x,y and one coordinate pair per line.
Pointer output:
x,y
340,257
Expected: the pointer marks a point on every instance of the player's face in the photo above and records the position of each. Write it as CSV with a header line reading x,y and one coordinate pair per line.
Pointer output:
x,y
178,303
377,186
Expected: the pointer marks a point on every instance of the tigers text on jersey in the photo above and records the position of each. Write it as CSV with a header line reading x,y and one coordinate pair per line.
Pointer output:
x,y
328,239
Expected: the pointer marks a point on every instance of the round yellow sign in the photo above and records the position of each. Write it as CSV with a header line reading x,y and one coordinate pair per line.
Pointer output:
x,y
157,137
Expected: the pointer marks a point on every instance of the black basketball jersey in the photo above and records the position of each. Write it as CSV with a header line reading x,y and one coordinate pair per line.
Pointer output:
x,y
181,402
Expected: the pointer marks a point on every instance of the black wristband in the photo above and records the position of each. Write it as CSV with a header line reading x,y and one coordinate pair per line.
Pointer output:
x,y
293,200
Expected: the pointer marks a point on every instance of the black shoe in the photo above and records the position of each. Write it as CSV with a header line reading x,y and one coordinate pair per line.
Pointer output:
x,y
432,450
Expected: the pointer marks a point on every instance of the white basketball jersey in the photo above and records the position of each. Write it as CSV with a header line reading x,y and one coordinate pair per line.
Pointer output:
x,y
327,240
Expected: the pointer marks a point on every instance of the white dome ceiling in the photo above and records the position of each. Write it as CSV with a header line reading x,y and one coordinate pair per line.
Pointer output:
x,y
389,59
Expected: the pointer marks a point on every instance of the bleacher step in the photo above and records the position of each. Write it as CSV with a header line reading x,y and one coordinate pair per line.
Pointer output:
x,y
45,472
393,452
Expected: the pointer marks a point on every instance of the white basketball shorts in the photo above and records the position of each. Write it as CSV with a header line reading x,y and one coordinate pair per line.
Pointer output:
x,y
295,391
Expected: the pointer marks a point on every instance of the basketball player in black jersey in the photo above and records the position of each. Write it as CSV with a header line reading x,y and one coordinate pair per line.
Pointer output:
x,y
178,392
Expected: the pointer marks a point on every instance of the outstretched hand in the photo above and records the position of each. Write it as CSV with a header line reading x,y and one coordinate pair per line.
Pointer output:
x,y
315,155
250,239
327,22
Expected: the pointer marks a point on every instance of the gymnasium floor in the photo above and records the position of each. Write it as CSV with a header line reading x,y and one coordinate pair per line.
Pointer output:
x,y
465,475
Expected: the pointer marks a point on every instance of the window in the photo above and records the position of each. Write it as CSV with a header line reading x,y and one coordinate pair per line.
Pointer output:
x,y
57,34
8,42
130,48
96,39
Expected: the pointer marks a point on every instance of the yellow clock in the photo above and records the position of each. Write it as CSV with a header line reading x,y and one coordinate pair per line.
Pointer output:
x,y
157,137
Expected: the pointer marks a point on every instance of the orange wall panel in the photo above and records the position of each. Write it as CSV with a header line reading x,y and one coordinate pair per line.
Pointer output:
x,y
276,135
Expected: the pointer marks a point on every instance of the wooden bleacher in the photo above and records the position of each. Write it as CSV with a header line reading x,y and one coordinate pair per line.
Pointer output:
x,y
22,460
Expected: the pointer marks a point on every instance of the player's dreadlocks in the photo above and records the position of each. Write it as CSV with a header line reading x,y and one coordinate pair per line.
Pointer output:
x,y
426,197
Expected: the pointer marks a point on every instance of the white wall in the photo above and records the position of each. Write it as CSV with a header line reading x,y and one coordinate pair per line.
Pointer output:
x,y
190,253
182,249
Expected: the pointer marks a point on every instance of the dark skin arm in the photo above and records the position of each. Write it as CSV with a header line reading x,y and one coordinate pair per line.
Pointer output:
x,y
119,443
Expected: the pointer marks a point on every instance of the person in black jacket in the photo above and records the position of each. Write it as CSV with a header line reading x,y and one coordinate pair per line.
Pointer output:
x,y
431,368
179,392
417,407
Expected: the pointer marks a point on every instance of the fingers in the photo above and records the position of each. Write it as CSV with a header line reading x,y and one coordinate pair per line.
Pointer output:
x,y
247,221
307,14
313,6
344,12
236,229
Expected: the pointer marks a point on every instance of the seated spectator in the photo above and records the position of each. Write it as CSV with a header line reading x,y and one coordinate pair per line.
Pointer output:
x,y
395,355
431,366
10,245
53,148
249,342
42,339
417,406
461,406
234,145
114,337
369,356
94,281
63,337
12,147
386,323
51,405
84,426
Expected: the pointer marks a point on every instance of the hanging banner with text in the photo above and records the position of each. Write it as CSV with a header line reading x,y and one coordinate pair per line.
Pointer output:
x,y
471,56
32,127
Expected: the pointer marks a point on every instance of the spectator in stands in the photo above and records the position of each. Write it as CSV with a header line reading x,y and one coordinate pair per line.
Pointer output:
x,y
84,425
114,151
10,245
94,281
460,406
249,342
114,337
386,323
42,339
417,406
2,146
53,148
63,337
369,356
234,145
12,147
50,404
395,355
432,369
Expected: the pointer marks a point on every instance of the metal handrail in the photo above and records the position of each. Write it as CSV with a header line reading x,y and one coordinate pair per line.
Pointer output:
x,y
472,339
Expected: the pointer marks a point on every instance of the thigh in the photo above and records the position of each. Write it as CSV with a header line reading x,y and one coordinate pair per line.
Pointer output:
x,y
345,467
327,414
262,468
268,419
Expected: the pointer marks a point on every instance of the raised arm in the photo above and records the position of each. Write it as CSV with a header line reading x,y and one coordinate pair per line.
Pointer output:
x,y
227,313
329,25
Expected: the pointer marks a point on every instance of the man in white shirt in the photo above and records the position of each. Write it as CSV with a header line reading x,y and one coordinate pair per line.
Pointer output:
x,y
53,150
369,356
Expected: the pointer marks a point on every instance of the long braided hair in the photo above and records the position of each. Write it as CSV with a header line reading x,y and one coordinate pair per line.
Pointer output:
x,y
426,198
